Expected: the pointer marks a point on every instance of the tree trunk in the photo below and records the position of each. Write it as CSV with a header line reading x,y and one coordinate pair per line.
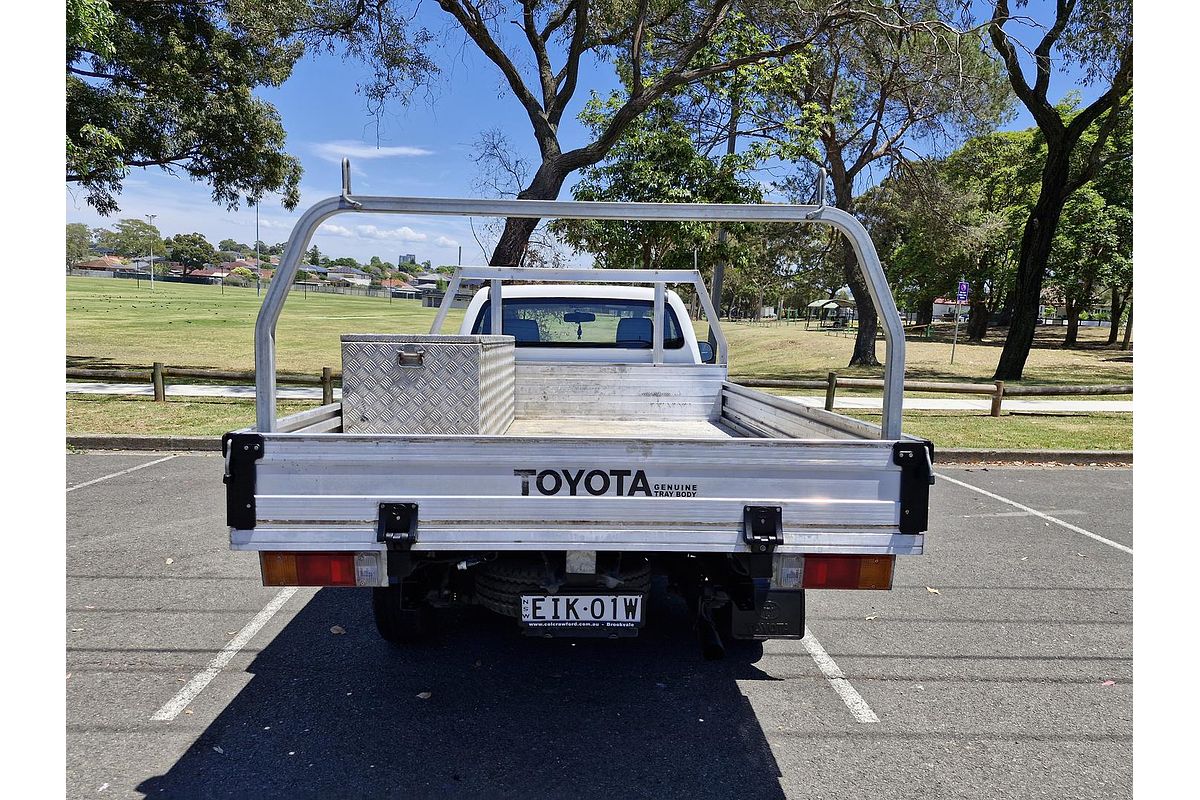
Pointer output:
x,y
510,249
647,262
1073,309
977,328
925,312
1128,327
719,265
868,320
1031,263
1116,310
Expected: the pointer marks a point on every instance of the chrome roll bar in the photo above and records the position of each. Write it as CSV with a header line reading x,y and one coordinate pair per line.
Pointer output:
x,y
306,226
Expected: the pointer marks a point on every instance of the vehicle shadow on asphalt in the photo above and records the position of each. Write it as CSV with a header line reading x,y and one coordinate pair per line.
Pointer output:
x,y
342,715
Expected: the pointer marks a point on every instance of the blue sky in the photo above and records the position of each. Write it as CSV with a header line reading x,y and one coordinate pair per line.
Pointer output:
x,y
422,149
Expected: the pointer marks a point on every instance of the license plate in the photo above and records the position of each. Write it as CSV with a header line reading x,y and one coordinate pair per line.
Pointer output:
x,y
607,611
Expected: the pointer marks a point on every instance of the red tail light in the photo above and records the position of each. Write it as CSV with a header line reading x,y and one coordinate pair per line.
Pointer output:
x,y
848,572
307,569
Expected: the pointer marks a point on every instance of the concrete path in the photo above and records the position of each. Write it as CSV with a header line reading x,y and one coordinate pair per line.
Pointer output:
x,y
965,403
196,390
971,404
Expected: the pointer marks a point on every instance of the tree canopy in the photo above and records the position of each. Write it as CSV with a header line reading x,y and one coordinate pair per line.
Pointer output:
x,y
131,238
191,251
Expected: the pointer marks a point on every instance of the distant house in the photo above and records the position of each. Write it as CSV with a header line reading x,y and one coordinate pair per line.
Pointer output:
x,y
943,308
103,262
347,279
314,269
349,275
401,289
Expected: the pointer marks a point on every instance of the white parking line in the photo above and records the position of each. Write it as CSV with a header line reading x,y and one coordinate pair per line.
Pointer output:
x,y
1037,513
173,707
837,679
122,472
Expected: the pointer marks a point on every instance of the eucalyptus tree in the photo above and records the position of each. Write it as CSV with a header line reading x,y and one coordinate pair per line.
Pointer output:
x,y
79,242
1087,244
171,84
878,92
1096,37
654,161
1000,171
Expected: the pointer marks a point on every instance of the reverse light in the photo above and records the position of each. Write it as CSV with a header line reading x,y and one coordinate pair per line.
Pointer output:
x,y
319,569
848,572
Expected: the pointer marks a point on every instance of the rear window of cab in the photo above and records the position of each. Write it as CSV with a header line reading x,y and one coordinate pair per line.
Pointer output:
x,y
581,322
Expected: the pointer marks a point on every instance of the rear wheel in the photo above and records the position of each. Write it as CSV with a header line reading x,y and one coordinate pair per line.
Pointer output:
x,y
400,619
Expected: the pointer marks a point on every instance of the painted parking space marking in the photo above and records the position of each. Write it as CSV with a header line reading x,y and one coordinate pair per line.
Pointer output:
x,y
837,679
173,707
1037,513
122,472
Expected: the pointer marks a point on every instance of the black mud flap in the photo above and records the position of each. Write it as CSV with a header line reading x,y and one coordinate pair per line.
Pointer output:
x,y
770,614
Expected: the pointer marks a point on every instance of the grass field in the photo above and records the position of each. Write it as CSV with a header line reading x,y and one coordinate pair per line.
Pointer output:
x,y
1017,431
176,417
112,322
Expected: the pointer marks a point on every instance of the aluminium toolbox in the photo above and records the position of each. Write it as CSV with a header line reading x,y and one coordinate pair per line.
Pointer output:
x,y
427,384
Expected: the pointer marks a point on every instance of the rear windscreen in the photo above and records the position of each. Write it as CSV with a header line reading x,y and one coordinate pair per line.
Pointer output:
x,y
580,322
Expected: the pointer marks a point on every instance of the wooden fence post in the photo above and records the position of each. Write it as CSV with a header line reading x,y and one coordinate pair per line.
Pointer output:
x,y
830,391
156,377
997,398
326,386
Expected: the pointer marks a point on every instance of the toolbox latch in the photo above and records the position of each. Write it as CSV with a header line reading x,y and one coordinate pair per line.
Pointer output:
x,y
398,525
410,356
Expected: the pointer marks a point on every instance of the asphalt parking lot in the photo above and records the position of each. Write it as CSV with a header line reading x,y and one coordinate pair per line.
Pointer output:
x,y
988,668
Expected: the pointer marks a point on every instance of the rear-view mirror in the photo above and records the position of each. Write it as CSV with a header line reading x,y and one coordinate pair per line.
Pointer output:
x,y
579,316
707,354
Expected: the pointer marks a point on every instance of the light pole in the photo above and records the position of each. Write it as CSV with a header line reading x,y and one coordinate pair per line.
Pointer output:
x,y
151,218
257,257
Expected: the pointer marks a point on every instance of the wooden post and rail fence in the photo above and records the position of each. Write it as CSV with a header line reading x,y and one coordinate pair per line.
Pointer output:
x,y
158,374
997,390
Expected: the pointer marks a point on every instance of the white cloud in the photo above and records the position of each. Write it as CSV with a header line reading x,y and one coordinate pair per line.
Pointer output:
x,y
402,234
338,149
336,230
445,241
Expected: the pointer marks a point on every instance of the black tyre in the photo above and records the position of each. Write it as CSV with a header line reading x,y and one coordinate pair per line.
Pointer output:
x,y
399,619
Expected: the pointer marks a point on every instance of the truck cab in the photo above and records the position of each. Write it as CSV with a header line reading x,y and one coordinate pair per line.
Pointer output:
x,y
573,323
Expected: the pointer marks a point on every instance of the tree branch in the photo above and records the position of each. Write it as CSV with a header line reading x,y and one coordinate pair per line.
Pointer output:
x,y
568,78
473,23
1043,113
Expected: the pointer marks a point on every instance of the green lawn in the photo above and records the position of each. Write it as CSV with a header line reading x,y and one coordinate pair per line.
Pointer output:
x,y
112,322
116,323
176,417
1016,431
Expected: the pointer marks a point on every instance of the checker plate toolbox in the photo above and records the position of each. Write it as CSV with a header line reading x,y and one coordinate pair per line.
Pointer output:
x,y
427,384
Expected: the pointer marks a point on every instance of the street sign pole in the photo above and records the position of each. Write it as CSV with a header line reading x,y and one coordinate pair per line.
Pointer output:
x,y
954,344
961,295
